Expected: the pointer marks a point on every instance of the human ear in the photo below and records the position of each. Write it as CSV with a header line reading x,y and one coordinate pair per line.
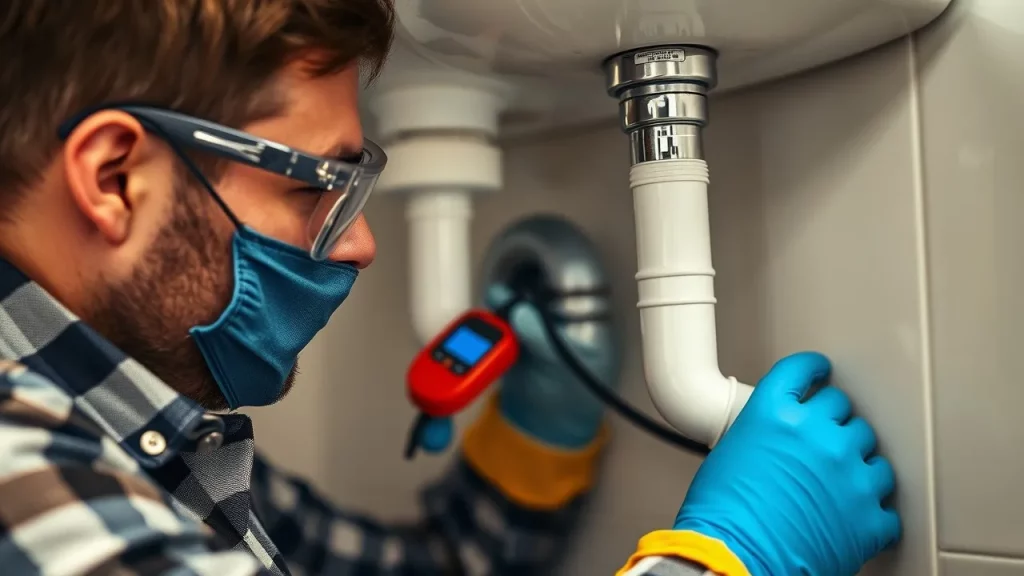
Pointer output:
x,y
104,157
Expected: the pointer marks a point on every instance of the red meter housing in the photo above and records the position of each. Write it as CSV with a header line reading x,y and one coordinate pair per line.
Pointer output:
x,y
469,354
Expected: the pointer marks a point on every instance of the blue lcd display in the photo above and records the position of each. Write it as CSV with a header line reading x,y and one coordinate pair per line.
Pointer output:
x,y
466,345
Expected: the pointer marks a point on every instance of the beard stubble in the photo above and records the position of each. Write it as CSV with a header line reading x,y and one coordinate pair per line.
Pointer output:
x,y
186,279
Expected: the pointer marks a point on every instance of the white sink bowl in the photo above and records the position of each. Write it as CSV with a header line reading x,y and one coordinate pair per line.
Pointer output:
x,y
551,51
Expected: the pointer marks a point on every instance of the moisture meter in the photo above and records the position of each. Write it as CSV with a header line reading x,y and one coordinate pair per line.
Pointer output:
x,y
461,362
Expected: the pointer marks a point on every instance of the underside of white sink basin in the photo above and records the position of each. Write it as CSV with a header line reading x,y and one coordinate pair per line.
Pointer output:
x,y
550,51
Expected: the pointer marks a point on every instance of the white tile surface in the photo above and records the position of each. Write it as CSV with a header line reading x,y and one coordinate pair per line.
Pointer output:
x,y
972,76
837,265
969,565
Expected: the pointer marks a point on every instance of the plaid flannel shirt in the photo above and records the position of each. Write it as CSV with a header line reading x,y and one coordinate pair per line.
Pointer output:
x,y
105,469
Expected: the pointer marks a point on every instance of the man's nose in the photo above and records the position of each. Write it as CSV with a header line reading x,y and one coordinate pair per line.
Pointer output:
x,y
357,246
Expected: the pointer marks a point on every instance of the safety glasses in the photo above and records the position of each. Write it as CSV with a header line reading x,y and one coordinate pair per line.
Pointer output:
x,y
345,187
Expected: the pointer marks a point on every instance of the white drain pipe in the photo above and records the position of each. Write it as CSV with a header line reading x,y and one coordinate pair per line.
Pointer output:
x,y
675,280
438,130
662,94
439,260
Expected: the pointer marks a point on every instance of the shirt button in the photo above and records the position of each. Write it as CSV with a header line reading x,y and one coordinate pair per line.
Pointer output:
x,y
209,442
153,443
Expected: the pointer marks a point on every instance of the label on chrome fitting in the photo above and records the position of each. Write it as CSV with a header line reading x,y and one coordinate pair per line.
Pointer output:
x,y
663,55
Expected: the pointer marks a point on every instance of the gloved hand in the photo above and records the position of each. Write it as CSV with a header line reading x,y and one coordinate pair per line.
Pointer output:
x,y
793,487
540,395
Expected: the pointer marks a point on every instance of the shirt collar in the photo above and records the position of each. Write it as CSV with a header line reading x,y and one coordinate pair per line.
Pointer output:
x,y
147,417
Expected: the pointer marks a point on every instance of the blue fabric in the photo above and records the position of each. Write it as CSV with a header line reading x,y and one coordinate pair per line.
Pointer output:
x,y
794,486
281,299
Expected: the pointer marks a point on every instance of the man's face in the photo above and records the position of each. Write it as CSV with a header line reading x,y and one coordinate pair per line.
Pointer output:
x,y
185,277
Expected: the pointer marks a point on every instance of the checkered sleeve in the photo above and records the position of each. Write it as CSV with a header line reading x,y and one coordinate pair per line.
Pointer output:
x,y
316,537
73,502
486,517
470,529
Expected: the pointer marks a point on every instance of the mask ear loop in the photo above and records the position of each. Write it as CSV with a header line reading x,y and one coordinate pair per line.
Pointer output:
x,y
194,170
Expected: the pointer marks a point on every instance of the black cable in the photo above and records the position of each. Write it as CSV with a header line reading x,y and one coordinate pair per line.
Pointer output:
x,y
610,398
412,442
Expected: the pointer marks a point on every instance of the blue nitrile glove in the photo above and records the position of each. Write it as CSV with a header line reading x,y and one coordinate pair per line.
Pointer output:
x,y
794,487
540,395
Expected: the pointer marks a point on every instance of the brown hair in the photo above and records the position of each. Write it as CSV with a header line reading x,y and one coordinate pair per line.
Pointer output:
x,y
208,58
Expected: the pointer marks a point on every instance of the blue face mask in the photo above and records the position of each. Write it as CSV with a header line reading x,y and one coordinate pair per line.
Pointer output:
x,y
282,298
283,295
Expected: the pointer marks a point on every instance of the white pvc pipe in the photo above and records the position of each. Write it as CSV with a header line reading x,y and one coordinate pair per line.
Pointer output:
x,y
675,280
439,259
439,130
